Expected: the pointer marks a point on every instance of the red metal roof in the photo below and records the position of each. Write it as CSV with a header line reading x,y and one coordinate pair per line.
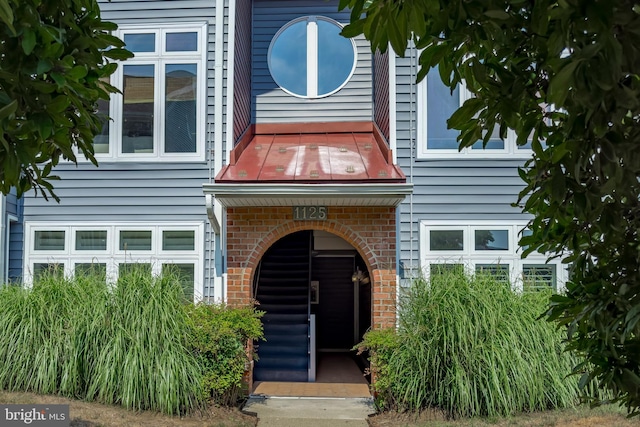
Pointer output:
x,y
348,157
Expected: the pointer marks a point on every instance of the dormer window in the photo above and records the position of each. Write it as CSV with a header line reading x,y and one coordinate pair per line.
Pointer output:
x,y
308,57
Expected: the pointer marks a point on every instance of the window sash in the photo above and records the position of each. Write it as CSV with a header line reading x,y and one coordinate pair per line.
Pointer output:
x,y
442,142
147,131
49,240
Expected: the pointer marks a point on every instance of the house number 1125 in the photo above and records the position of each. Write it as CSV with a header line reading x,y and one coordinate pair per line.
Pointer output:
x,y
302,213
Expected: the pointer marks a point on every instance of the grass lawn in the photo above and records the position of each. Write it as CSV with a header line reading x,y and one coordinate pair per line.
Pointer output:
x,y
610,416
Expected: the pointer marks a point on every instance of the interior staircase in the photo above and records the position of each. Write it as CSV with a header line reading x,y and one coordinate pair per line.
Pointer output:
x,y
283,293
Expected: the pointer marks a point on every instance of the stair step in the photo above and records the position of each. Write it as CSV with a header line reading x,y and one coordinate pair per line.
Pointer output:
x,y
279,329
283,308
280,375
282,362
285,318
283,299
269,289
285,340
274,351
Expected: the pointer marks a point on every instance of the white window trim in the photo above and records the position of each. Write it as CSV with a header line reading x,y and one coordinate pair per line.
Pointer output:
x,y
113,256
470,257
312,56
510,150
159,58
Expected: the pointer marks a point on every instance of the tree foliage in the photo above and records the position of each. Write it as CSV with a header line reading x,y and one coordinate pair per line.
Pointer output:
x,y
53,67
564,73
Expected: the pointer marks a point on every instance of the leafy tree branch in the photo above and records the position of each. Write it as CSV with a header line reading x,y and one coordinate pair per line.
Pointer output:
x,y
565,75
54,64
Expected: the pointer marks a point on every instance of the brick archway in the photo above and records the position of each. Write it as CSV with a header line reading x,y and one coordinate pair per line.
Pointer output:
x,y
370,230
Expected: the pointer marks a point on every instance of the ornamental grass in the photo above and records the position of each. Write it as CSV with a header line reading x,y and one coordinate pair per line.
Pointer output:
x,y
117,344
469,345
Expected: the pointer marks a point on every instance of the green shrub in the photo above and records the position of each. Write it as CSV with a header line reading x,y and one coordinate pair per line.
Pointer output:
x,y
219,336
121,344
473,347
380,345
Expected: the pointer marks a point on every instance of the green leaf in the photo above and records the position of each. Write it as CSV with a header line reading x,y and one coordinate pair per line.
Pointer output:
x,y
8,109
397,33
76,73
6,15
560,84
118,54
44,66
59,79
28,41
59,104
499,14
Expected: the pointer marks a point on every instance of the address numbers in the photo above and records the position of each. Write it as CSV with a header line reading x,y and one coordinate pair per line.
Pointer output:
x,y
305,213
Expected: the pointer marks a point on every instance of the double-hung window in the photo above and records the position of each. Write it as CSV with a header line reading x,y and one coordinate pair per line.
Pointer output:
x,y
487,247
436,103
161,110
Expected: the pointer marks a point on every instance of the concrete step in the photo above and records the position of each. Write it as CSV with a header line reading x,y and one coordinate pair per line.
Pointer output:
x,y
302,412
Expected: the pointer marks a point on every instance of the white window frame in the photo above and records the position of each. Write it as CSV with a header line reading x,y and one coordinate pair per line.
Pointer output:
x,y
113,256
159,58
312,56
470,257
510,150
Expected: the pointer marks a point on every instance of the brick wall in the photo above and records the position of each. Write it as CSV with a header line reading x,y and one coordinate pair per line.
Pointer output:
x,y
371,231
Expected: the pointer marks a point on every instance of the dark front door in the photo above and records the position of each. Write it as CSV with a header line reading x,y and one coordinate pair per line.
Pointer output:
x,y
335,307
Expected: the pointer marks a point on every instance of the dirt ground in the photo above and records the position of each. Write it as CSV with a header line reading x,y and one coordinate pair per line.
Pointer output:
x,y
85,414
579,417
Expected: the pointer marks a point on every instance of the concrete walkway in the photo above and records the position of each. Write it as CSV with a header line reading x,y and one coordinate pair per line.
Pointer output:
x,y
310,411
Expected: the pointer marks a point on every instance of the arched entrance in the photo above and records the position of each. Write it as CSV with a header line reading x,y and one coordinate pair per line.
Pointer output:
x,y
316,292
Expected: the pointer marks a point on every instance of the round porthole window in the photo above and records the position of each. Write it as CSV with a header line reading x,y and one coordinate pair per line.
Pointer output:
x,y
309,58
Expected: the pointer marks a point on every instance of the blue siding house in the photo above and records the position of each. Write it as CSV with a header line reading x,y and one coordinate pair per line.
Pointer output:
x,y
267,158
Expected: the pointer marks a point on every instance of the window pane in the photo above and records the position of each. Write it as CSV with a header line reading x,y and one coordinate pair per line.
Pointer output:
x,y
185,274
49,241
335,57
499,271
440,269
180,124
47,269
492,240
441,104
140,42
446,240
97,270
91,240
101,140
134,268
288,58
539,276
185,42
178,240
137,110
135,240
495,143
492,144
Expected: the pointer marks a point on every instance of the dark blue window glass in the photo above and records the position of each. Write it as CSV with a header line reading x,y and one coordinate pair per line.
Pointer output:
x,y
441,104
140,42
288,59
182,42
335,57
